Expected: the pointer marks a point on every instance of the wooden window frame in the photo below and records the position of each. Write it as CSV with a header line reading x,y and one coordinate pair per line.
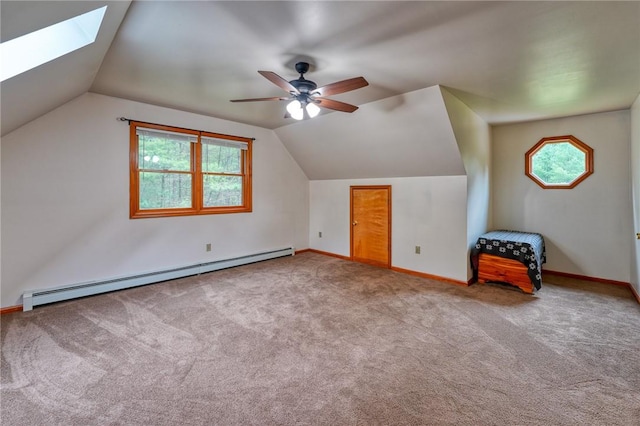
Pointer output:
x,y
197,195
588,167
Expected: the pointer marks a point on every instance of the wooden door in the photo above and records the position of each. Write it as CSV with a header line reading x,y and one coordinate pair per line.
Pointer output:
x,y
371,225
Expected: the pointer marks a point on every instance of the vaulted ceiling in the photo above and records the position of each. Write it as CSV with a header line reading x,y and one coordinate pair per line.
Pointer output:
x,y
508,61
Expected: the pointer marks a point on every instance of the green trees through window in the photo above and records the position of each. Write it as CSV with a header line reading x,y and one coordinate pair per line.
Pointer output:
x,y
558,162
165,170
221,168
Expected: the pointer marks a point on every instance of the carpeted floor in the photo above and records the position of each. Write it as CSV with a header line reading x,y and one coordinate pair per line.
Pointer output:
x,y
311,339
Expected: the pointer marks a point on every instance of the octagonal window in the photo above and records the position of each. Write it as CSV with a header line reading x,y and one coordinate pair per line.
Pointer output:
x,y
559,162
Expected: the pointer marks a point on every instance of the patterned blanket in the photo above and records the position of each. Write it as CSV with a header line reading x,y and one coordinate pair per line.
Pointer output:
x,y
527,248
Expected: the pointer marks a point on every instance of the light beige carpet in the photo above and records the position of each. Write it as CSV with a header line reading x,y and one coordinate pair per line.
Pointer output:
x,y
312,339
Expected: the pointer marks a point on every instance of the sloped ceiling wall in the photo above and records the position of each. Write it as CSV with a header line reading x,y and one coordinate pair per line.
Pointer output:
x,y
473,135
408,135
27,96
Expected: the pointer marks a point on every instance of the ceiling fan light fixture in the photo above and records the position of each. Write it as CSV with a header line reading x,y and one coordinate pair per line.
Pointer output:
x,y
294,108
306,96
312,109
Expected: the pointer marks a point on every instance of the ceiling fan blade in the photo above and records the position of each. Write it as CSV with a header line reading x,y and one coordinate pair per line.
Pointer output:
x,y
260,99
335,105
341,86
279,81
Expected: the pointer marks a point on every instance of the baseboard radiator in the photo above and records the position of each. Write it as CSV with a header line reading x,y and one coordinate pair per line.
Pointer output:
x,y
41,297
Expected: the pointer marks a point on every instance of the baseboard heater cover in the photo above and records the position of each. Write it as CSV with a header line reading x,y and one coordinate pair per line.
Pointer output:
x,y
42,297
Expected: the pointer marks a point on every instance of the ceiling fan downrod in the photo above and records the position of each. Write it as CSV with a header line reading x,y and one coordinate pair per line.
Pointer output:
x,y
303,85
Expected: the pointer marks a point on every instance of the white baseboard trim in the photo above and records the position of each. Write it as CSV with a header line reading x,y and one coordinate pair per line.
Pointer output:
x,y
33,298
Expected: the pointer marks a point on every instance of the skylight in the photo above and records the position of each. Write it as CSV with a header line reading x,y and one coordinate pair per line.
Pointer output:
x,y
39,47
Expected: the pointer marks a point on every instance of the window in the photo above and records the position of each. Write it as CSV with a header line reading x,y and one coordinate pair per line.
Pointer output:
x,y
180,172
39,47
559,162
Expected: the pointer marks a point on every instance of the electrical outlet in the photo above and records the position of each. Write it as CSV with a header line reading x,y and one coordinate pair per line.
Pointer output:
x,y
320,234
417,249
208,246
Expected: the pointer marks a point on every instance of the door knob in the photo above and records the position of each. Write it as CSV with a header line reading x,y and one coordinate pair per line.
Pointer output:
x,y
355,222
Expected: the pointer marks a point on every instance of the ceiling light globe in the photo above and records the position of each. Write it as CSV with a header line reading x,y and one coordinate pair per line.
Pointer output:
x,y
313,110
295,109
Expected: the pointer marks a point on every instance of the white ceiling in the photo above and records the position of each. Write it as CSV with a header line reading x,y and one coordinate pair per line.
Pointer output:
x,y
508,61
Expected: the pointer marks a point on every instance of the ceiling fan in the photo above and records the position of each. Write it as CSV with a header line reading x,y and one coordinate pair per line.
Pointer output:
x,y
305,95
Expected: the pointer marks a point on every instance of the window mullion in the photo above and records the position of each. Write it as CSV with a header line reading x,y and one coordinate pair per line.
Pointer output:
x,y
247,173
177,172
134,172
196,167
221,174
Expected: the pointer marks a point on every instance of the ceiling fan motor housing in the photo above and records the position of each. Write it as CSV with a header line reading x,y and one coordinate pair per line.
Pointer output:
x,y
303,85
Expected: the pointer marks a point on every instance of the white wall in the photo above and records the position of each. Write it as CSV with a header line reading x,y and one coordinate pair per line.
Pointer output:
x,y
587,229
429,212
473,135
65,200
635,183
1,219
